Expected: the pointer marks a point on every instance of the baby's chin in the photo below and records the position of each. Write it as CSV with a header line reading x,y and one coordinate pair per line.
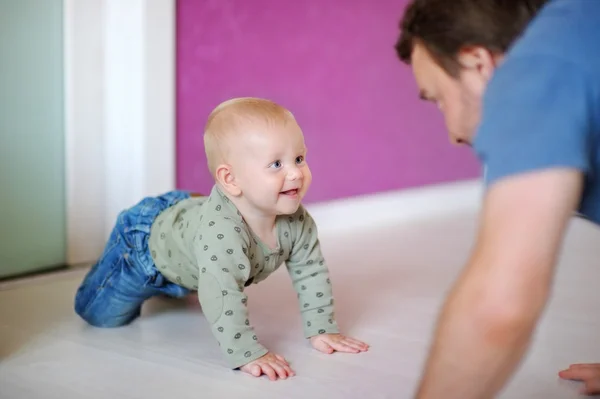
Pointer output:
x,y
288,209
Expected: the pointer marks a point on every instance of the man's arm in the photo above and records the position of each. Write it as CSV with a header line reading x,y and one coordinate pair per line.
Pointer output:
x,y
489,316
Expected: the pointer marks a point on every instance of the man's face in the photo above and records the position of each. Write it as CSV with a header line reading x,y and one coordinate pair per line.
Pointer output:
x,y
459,98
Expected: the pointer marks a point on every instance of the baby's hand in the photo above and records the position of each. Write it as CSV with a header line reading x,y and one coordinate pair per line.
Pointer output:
x,y
327,343
270,364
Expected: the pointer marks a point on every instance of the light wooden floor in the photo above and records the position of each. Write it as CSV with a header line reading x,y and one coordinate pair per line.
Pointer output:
x,y
388,285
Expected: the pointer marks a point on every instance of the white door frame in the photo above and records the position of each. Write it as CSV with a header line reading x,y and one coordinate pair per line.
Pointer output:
x,y
119,113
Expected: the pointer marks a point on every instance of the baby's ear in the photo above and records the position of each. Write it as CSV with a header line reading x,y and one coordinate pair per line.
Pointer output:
x,y
224,176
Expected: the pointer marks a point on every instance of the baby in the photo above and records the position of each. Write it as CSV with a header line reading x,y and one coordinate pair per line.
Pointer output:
x,y
250,224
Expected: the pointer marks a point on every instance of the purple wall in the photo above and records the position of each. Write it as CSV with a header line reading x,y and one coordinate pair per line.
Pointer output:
x,y
332,63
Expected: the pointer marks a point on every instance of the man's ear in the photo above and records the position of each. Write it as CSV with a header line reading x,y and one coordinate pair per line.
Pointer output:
x,y
225,177
480,59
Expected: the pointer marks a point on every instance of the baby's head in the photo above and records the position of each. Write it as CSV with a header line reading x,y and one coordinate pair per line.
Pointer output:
x,y
256,153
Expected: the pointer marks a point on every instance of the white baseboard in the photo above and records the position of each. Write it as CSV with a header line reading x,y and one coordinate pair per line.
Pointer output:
x,y
382,209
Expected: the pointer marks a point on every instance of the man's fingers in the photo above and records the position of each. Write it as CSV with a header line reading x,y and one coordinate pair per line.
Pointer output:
x,y
589,373
585,366
580,373
592,387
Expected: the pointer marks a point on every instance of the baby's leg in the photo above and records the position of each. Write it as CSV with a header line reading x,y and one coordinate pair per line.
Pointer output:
x,y
114,290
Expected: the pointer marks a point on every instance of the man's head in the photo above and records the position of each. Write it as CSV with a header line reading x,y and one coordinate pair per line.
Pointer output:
x,y
256,153
454,48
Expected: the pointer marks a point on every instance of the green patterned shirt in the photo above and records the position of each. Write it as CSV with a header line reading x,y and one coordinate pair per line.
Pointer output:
x,y
203,244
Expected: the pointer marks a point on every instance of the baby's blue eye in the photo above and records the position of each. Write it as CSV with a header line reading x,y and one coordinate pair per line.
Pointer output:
x,y
276,164
300,159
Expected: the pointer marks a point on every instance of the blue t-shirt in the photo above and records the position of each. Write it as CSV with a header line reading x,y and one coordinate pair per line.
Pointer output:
x,y
541,108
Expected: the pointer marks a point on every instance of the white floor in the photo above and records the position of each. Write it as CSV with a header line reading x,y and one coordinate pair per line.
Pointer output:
x,y
388,285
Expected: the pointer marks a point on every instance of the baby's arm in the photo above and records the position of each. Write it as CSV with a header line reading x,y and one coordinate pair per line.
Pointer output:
x,y
220,250
310,278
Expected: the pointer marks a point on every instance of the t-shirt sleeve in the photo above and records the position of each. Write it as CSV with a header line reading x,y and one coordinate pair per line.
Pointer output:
x,y
310,278
221,248
537,114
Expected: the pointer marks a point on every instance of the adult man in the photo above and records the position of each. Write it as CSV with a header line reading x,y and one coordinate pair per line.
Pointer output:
x,y
519,81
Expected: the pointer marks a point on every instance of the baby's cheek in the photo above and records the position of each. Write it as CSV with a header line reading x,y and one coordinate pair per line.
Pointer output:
x,y
307,178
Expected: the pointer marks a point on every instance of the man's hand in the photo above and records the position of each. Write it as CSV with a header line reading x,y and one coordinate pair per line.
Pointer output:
x,y
589,374
271,364
328,343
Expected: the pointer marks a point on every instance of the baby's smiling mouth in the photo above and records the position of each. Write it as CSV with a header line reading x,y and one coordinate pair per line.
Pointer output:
x,y
291,192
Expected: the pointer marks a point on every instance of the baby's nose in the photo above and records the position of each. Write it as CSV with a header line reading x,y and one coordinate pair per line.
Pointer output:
x,y
294,174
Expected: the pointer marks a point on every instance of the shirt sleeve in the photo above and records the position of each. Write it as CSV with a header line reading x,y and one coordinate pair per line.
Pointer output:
x,y
221,248
310,278
537,114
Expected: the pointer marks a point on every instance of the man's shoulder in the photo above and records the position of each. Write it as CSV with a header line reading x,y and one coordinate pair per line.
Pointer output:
x,y
552,59
552,34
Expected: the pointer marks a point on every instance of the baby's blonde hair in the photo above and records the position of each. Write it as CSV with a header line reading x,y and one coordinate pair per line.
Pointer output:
x,y
231,118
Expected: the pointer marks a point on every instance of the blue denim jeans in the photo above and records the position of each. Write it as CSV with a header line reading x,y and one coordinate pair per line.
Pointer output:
x,y
113,291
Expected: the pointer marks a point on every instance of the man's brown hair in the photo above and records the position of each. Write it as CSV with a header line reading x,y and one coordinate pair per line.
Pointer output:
x,y
444,27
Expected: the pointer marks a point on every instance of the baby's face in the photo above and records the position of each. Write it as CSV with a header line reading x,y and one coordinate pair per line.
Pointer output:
x,y
270,167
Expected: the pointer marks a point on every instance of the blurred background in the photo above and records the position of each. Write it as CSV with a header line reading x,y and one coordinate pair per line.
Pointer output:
x,y
103,102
